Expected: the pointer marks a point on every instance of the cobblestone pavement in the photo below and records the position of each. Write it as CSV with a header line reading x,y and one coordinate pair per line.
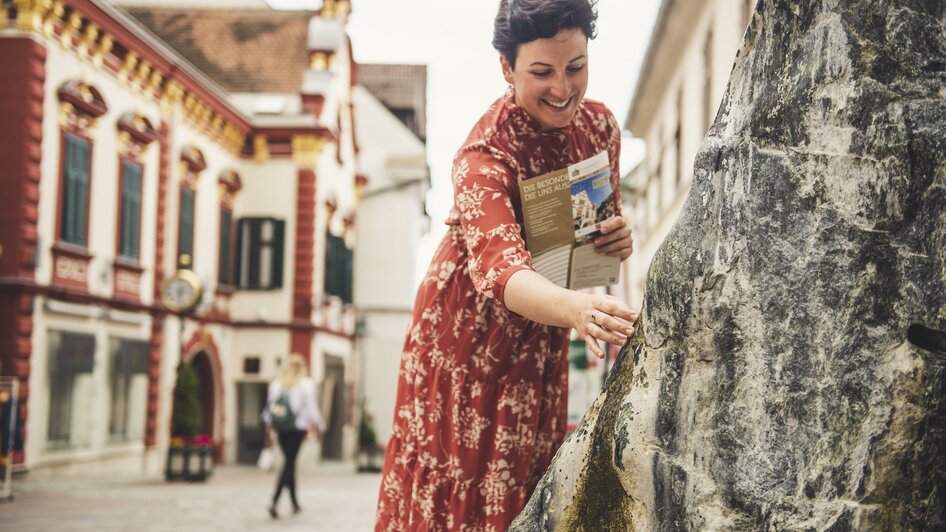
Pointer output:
x,y
333,498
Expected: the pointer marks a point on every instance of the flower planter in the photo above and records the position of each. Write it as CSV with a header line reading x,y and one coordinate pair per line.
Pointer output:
x,y
193,463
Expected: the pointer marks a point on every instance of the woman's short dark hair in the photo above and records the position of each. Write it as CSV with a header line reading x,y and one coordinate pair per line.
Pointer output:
x,y
522,21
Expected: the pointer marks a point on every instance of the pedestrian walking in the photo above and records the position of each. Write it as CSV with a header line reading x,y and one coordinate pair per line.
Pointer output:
x,y
291,412
482,388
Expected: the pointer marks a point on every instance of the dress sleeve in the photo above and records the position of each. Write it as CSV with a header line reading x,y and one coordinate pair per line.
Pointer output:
x,y
491,230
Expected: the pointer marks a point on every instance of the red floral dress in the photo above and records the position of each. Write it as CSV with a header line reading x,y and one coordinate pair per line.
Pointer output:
x,y
482,391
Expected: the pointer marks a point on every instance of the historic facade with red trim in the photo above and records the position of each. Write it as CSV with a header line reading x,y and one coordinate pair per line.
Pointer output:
x,y
122,162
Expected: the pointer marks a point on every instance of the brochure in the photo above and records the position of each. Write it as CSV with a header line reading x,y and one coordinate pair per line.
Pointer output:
x,y
563,211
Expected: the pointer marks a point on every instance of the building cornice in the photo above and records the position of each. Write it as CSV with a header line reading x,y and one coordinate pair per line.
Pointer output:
x,y
666,39
112,41
78,296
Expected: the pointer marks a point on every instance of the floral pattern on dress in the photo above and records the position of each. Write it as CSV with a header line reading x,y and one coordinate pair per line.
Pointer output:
x,y
482,391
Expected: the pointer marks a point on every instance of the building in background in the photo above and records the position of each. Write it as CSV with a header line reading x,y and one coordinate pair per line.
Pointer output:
x,y
403,91
391,221
680,86
222,141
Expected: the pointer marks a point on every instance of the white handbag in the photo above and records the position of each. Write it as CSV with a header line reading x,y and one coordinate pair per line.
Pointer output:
x,y
265,460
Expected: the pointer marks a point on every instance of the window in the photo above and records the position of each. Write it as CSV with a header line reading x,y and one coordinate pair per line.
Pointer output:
x,y
71,360
129,232
185,225
260,251
73,219
225,273
128,378
708,107
678,153
338,268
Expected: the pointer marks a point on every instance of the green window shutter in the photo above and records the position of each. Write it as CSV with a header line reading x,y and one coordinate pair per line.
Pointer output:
x,y
74,215
186,226
278,247
349,275
241,248
130,210
329,280
226,239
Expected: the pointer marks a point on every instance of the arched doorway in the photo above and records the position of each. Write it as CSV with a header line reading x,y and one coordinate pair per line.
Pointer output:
x,y
207,392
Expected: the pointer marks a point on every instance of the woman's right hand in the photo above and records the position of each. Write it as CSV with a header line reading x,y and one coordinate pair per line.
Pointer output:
x,y
605,318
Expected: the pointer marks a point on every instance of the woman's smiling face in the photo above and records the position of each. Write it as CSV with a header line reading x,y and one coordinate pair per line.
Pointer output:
x,y
550,77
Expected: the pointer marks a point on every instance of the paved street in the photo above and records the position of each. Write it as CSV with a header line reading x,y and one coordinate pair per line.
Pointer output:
x,y
333,498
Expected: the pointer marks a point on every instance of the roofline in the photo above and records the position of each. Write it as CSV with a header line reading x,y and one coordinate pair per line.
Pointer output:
x,y
138,35
649,58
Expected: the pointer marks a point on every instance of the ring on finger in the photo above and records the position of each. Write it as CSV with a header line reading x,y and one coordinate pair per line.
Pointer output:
x,y
594,317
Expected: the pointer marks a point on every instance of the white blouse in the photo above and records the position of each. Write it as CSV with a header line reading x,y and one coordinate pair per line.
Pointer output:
x,y
302,402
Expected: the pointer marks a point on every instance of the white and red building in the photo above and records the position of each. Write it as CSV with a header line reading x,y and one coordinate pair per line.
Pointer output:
x,y
120,161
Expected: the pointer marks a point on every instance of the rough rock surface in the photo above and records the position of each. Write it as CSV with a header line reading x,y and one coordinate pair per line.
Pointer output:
x,y
788,371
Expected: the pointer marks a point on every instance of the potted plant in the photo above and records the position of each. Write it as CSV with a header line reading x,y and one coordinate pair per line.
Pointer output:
x,y
190,454
368,448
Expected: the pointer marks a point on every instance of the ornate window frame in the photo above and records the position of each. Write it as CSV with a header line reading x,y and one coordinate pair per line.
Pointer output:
x,y
191,165
135,134
80,107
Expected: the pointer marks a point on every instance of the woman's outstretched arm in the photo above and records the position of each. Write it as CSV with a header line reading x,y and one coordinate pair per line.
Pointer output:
x,y
593,316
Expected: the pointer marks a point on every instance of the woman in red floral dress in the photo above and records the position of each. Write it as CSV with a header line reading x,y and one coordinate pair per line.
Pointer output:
x,y
482,390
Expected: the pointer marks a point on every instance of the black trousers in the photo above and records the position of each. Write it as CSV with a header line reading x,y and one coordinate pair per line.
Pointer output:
x,y
289,442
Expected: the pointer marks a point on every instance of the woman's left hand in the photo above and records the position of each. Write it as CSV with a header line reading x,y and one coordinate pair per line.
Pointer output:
x,y
605,318
615,239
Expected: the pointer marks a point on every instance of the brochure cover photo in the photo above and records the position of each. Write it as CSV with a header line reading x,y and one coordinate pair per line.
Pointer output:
x,y
563,211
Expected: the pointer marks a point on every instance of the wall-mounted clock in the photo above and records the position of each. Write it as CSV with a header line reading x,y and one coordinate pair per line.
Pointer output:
x,y
180,293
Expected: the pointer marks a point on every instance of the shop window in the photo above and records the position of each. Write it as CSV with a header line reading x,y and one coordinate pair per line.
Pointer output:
x,y
128,382
71,361
260,251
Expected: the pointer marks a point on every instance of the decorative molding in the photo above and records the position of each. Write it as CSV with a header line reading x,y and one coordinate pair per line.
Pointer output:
x,y
193,160
97,37
260,148
135,134
87,41
83,99
104,48
306,150
126,282
29,14
361,183
230,183
70,29
53,18
71,266
320,59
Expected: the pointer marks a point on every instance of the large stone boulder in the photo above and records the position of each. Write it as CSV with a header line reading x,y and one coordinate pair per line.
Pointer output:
x,y
788,370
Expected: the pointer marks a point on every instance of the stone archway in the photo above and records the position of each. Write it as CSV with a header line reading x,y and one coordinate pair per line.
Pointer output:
x,y
201,351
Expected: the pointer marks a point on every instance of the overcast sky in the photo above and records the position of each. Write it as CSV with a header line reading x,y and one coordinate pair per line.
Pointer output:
x,y
452,37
